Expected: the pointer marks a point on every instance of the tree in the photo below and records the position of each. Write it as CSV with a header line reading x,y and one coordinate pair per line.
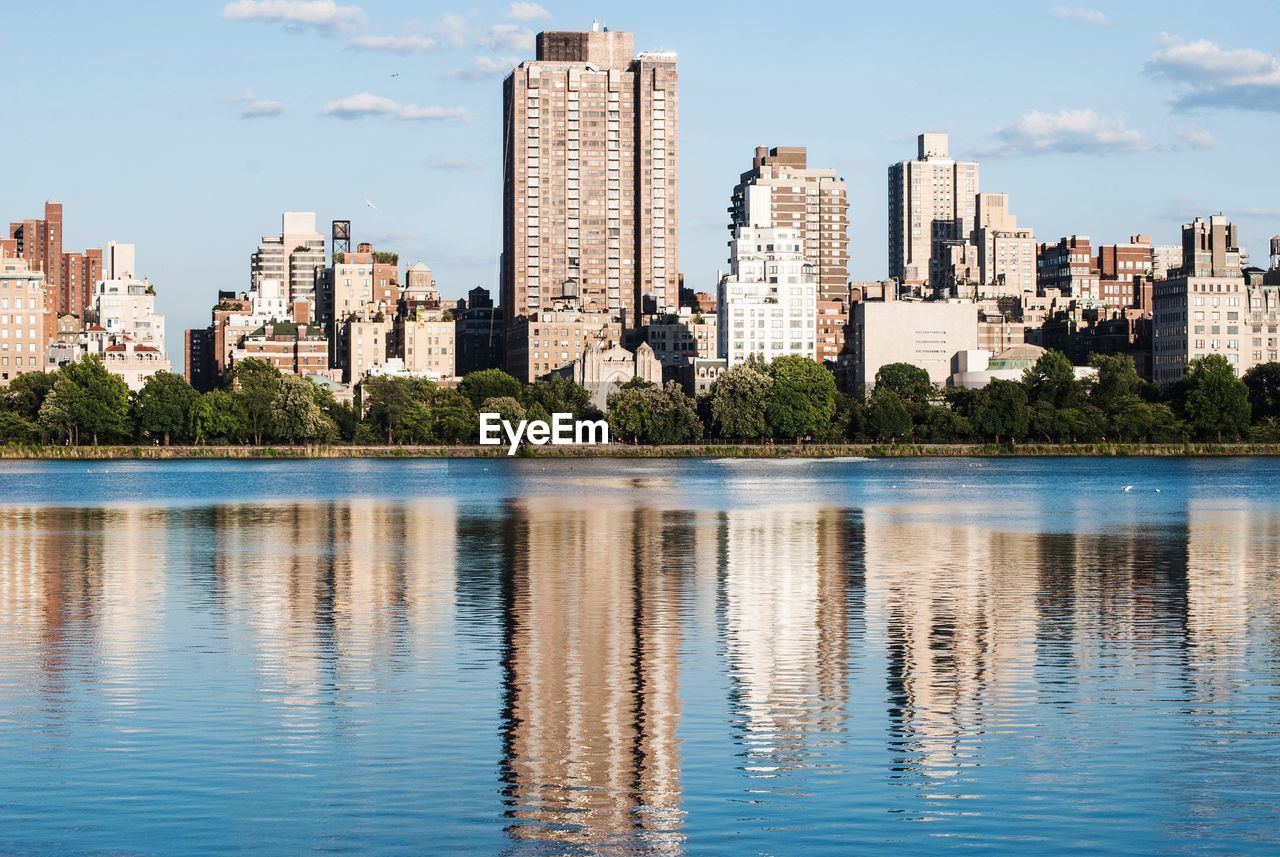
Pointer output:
x,y
1115,382
911,383
257,383
647,413
386,402
558,395
941,424
1135,419
887,417
86,399
489,384
165,406
804,397
15,428
1263,383
1217,402
740,402
219,415
1052,380
295,416
453,419
1000,411
26,393
506,407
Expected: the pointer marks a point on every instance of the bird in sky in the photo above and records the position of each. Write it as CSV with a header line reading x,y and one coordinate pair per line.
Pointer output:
x,y
397,74
371,205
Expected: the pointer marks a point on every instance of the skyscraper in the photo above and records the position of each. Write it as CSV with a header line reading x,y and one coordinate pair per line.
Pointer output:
x,y
781,190
591,168
931,206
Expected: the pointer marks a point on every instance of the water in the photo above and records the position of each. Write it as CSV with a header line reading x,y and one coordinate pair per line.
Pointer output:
x,y
710,657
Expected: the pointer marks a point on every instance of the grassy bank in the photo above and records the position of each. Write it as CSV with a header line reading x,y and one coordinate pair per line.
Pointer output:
x,y
160,453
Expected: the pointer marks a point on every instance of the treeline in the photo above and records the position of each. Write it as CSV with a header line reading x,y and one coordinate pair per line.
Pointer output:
x,y
791,399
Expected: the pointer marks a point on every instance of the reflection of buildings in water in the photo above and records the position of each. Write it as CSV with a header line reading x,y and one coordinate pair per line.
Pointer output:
x,y
786,575
333,594
66,574
592,675
1233,586
958,605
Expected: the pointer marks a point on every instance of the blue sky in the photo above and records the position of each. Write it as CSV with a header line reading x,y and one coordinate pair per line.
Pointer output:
x,y
188,127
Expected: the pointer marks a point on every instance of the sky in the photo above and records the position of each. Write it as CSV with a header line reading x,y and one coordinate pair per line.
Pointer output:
x,y
187,127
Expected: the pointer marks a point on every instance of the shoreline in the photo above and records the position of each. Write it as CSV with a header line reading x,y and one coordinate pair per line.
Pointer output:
x,y
626,451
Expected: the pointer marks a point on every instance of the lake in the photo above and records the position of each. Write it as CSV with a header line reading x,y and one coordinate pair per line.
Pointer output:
x,y
640,657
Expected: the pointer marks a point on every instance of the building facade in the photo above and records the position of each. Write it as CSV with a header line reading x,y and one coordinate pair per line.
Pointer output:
x,y
23,309
927,334
293,257
782,190
931,205
590,178
767,305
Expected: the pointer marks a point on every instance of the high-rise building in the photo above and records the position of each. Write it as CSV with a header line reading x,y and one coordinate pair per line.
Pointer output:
x,y
80,275
39,244
23,310
125,330
478,333
1118,266
425,341
1208,308
781,190
590,180
292,257
932,204
767,303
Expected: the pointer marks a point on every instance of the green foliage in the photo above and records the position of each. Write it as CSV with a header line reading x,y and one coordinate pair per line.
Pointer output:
x,y
86,401
1000,411
1052,381
506,407
489,384
803,400
219,416
257,383
646,413
1116,380
26,393
1263,383
910,383
1133,419
295,415
559,395
942,424
887,417
740,402
165,407
1216,401
414,410
15,428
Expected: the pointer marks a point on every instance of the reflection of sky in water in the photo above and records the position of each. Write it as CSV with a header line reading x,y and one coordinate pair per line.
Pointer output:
x,y
642,657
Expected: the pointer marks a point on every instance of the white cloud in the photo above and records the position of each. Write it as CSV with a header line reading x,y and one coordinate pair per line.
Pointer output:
x,y
1079,13
406,44
257,108
508,37
322,15
485,68
1210,75
367,104
1196,138
527,12
452,27
1038,133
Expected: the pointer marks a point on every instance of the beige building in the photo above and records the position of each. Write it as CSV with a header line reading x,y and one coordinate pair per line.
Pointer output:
x,y
923,333
603,370
591,169
425,342
1208,308
681,337
366,339
781,190
542,342
1006,251
293,257
932,203
23,311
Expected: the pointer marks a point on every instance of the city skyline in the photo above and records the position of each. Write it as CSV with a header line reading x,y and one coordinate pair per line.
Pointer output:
x,y
1158,117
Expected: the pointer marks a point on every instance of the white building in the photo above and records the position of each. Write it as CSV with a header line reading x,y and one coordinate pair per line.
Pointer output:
x,y
927,334
767,304
125,330
931,204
